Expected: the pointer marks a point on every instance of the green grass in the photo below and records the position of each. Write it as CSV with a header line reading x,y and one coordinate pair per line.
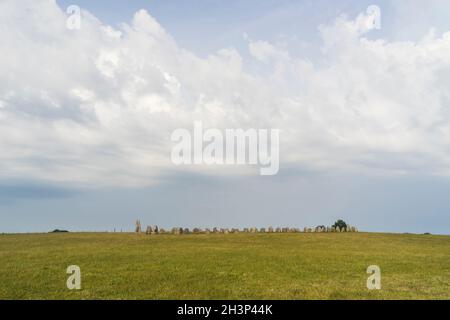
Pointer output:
x,y
225,266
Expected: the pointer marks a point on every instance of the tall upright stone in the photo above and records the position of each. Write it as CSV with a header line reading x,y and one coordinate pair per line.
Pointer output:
x,y
177,230
138,226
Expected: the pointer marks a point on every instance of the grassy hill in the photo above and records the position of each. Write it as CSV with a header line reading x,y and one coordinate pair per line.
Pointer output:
x,y
225,266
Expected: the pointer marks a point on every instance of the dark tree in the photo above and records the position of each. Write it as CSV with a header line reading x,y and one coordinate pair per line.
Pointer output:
x,y
340,223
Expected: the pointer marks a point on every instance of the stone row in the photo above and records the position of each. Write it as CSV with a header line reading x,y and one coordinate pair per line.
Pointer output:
x,y
177,230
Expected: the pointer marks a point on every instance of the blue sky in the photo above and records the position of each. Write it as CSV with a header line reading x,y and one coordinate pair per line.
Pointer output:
x,y
365,114
206,26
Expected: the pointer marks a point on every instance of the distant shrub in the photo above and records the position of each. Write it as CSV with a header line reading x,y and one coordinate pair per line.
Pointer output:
x,y
58,231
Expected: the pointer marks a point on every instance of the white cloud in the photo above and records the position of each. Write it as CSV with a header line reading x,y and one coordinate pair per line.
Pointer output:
x,y
98,105
264,51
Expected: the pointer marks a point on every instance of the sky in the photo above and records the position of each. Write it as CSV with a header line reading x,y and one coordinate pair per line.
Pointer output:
x,y
86,115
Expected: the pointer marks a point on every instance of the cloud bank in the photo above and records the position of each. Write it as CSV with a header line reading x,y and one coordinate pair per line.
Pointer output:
x,y
97,106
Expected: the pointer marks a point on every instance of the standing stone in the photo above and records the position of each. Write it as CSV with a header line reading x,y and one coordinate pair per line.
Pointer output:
x,y
162,230
270,230
186,231
149,230
138,226
262,230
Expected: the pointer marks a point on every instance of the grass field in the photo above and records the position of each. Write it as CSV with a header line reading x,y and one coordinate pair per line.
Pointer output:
x,y
225,266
